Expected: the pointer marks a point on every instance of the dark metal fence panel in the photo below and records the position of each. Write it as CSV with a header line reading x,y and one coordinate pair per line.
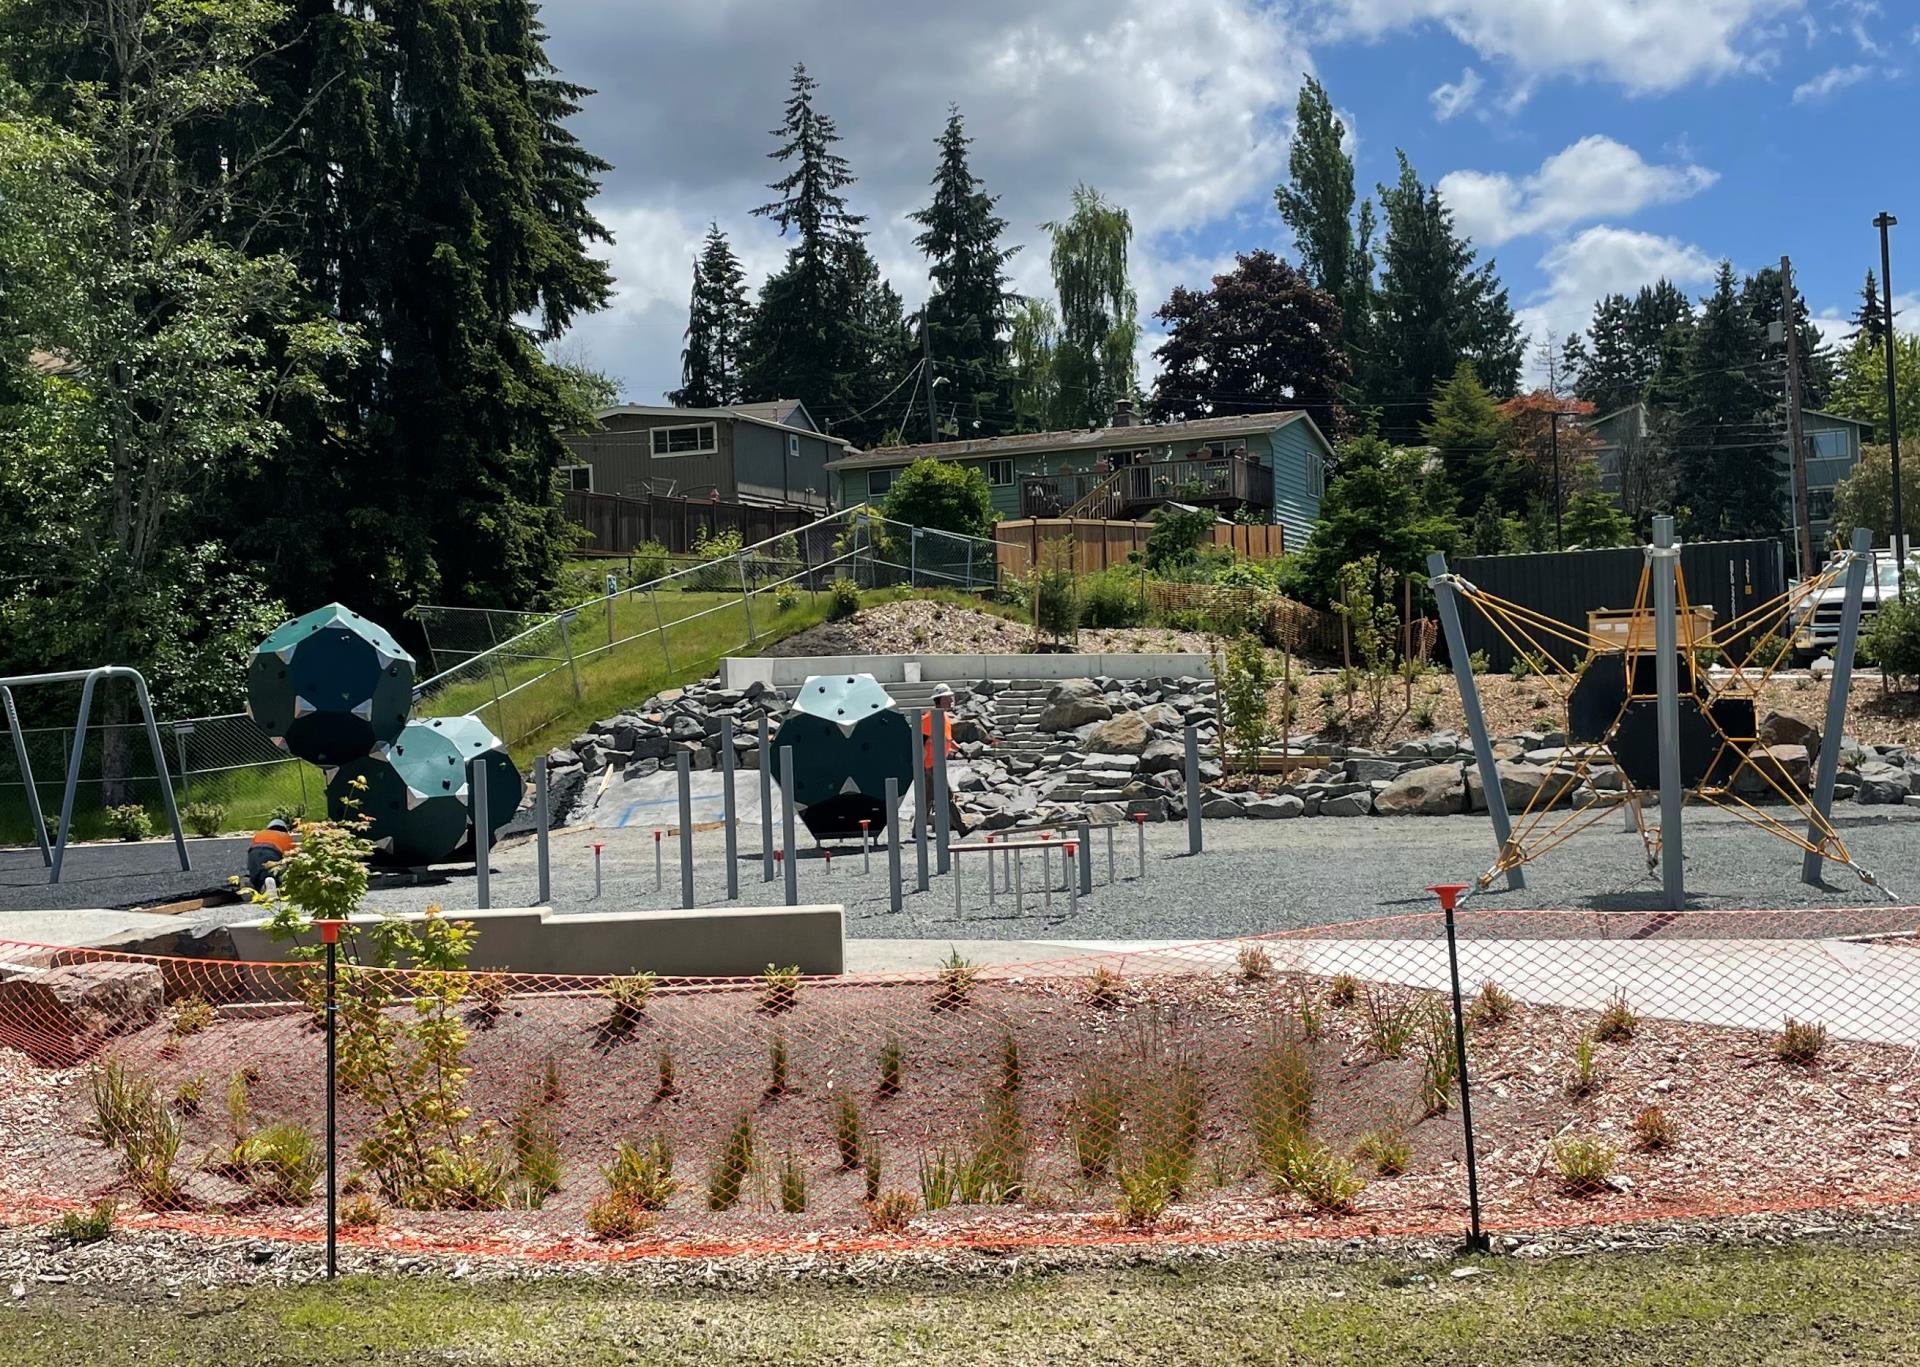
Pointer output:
x,y
1731,577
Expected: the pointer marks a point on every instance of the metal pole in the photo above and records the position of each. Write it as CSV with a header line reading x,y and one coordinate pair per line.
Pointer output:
x,y
765,758
659,860
1086,856
1559,534
180,756
786,823
73,777
991,891
1113,866
1796,437
1666,672
660,626
330,933
596,870
1140,825
893,844
959,908
1019,898
746,599
920,823
1837,689
866,845
1073,883
566,642
543,821
482,832
942,816
159,758
1442,585
1193,789
684,763
26,777
727,813
1884,221
1476,1239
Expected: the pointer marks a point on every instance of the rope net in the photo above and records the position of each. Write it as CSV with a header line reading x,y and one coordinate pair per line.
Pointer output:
x,y
1623,1065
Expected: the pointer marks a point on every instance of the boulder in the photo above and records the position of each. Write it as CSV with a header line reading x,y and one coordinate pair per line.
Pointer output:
x,y
683,727
1153,808
1349,804
1882,783
1070,713
59,1016
1368,769
1783,728
1774,767
1518,783
1074,688
561,759
1161,755
1433,790
1127,734
1276,808
1222,806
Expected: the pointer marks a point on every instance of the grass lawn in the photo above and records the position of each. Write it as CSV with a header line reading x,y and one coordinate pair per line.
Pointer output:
x,y
1809,1304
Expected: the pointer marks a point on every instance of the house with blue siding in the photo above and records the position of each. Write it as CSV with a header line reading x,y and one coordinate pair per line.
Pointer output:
x,y
1264,467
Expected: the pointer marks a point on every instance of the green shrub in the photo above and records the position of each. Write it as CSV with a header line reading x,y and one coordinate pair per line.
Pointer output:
x,y
1584,1078
360,1213
129,1118
1387,1150
786,598
1106,988
939,1180
1246,679
1011,1073
536,1152
1344,990
793,1185
1112,598
1492,1006
889,1214
892,1066
641,1176
1654,1129
1280,1102
779,989
731,1167
953,984
995,1172
1177,537
1056,596
650,561
941,495
191,1015
666,1086
1095,1120
1584,1164
1893,637
129,822
843,599
204,818
1478,662
89,1226
1322,1177
849,1132
1799,1042
1439,1063
1146,1189
1391,1020
779,1066
1255,964
1616,1024
282,1163
629,994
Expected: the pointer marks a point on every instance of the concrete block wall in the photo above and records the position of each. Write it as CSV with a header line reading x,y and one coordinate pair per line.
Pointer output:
x,y
778,672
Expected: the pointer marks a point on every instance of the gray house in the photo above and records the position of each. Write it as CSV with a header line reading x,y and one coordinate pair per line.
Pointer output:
x,y
771,453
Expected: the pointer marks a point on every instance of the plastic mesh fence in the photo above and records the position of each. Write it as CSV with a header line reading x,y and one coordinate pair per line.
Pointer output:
x,y
1622,1067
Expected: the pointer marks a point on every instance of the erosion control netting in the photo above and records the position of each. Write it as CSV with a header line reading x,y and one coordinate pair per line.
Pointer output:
x,y
1622,1067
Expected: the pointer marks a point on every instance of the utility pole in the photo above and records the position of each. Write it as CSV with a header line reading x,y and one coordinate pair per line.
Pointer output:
x,y
1553,427
1802,508
1883,222
926,370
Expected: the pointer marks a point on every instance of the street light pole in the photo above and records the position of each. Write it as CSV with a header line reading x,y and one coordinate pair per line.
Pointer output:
x,y
1883,222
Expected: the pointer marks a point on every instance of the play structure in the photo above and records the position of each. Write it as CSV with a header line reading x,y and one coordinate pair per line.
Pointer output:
x,y
847,741
335,689
1643,704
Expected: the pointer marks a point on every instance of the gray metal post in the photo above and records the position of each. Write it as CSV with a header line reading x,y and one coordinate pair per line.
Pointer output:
x,y
543,823
1019,898
942,817
1085,837
180,757
893,844
159,759
1470,704
913,565
728,814
683,763
1837,688
1666,674
791,859
746,599
765,758
969,563
1193,789
566,642
482,833
921,826
26,777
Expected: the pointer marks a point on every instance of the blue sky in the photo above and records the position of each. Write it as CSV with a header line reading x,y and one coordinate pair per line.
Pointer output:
x,y
1587,144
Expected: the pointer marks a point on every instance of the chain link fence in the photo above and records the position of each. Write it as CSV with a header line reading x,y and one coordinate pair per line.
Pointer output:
x,y
1627,1067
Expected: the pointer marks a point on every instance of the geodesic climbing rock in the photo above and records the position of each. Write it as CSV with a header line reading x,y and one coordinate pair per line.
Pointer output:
x,y
415,799
330,686
472,739
847,741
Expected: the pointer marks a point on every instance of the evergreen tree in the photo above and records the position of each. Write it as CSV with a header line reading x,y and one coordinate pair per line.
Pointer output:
x,y
1472,438
1656,308
874,341
1870,319
1725,425
1574,361
717,319
967,313
1612,377
1093,359
1317,204
1435,307
1261,338
1593,521
1376,504
1489,532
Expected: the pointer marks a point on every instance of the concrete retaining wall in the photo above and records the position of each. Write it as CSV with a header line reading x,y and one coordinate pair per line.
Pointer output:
x,y
777,672
675,944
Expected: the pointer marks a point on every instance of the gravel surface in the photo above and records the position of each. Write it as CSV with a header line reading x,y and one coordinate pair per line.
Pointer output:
x,y
113,874
1254,876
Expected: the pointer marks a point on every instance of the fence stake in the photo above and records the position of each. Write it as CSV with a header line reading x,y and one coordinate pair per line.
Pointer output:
x,y
1477,1241
786,823
1073,883
180,753
330,937
893,843
959,910
746,598
1140,825
726,804
1019,898
866,845
596,870
685,766
573,667
659,861
482,833
1085,844
921,825
990,888
543,821
1113,867
765,759
661,627
1193,789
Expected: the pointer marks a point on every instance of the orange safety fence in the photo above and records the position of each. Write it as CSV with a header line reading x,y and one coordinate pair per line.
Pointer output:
x,y
1623,1066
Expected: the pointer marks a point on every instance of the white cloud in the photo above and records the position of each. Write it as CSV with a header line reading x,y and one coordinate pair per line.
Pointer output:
x,y
1643,45
1832,79
1601,260
1178,113
1452,97
1595,177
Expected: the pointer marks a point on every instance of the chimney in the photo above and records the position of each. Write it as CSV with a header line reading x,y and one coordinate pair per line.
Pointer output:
x,y
1123,412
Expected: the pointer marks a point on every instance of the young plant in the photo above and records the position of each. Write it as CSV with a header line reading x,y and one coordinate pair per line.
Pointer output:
x,y
1146,1190
1095,1121
953,984
1616,1023
890,1213
1653,1129
1321,1177
892,1067
1584,1078
1800,1042
629,995
1280,1102
1391,1021
360,1212
939,1180
282,1163
1105,988
1170,1107
535,1140
129,822
793,1186
1387,1151
490,992
1344,990
731,1167
1584,1164
1255,964
779,989
1439,1062
204,819
1307,1011
614,1220
870,1171
665,1087
995,1172
1492,1006
188,1096
1010,1071
89,1226
779,1066
641,1176
130,1119
849,1133
191,1015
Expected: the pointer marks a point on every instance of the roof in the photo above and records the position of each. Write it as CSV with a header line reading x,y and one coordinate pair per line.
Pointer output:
x,y
746,412
1834,417
52,363
1088,439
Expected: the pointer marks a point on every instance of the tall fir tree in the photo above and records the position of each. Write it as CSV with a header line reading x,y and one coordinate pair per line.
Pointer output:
x,y
1316,202
1473,441
1870,319
969,310
1724,425
1099,324
718,315
1435,306
1611,377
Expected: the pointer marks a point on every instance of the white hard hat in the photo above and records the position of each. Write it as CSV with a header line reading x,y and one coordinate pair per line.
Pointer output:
x,y
942,691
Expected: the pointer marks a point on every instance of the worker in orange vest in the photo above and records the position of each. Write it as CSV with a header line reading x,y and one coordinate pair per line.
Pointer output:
x,y
942,705
267,849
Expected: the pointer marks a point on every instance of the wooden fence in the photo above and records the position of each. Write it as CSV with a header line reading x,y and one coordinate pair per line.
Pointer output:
x,y
617,523
1099,545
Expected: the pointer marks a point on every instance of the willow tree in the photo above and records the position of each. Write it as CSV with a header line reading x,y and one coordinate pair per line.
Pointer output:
x,y
1099,324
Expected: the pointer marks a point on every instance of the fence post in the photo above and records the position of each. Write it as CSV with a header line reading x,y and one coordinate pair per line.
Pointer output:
x,y
543,823
1477,1241
727,812
1193,789
765,758
482,832
180,731
893,844
922,827
683,763
1086,856
330,937
566,642
786,823
746,598
661,627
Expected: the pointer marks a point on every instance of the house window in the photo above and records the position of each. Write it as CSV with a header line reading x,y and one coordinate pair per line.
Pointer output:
x,y
1316,477
879,481
793,447
695,439
1830,444
999,473
577,477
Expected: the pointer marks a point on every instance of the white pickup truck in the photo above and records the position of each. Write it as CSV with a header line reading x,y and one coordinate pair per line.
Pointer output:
x,y
1816,623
